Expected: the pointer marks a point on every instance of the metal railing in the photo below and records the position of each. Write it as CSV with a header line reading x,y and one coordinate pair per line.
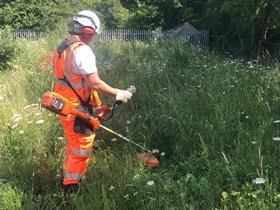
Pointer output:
x,y
201,38
27,34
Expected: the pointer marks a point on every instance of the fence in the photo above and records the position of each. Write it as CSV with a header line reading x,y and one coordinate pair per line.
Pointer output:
x,y
27,34
201,38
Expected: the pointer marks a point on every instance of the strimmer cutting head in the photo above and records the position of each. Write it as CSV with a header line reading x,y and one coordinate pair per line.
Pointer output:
x,y
148,159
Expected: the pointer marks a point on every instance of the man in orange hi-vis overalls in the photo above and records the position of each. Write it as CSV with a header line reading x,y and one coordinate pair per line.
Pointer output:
x,y
77,80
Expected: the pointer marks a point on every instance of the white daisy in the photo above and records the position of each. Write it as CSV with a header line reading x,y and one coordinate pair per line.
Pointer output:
x,y
150,183
259,181
40,122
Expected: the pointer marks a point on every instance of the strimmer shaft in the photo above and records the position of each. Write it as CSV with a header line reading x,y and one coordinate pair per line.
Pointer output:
x,y
124,138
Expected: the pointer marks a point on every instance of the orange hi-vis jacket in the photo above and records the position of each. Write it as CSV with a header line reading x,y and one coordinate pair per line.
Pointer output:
x,y
63,71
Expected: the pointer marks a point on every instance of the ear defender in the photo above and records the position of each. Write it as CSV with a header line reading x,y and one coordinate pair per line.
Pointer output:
x,y
88,31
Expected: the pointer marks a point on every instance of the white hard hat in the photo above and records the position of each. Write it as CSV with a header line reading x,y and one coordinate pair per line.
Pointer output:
x,y
89,19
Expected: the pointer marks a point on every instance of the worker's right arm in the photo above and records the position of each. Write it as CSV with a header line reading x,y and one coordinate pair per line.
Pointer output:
x,y
102,87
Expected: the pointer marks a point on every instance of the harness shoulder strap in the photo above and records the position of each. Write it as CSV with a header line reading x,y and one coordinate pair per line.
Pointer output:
x,y
67,43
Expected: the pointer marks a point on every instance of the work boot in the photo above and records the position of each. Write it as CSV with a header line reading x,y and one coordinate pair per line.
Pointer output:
x,y
69,190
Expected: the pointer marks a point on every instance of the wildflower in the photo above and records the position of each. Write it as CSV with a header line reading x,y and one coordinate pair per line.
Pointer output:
x,y
38,113
14,126
254,142
276,121
250,63
17,118
29,106
277,138
128,122
21,131
162,154
1,98
134,194
40,122
60,138
155,151
259,181
150,183
111,188
114,139
136,176
126,196
50,115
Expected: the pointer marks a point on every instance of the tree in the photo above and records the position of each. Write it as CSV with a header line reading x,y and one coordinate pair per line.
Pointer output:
x,y
45,15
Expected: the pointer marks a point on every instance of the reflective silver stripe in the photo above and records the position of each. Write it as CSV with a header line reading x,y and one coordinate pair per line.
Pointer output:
x,y
70,175
60,82
81,152
75,86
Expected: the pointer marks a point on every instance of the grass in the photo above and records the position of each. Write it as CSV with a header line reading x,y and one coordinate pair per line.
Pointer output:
x,y
213,118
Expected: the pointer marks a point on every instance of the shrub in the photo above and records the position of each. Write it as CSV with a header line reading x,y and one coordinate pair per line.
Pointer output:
x,y
10,198
8,49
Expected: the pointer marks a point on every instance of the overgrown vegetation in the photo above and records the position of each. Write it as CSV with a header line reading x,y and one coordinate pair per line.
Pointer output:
x,y
9,48
214,119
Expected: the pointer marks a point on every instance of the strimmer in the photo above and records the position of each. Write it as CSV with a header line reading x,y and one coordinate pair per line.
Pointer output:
x,y
61,106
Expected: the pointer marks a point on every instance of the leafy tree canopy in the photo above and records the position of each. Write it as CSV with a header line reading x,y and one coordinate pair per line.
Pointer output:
x,y
238,24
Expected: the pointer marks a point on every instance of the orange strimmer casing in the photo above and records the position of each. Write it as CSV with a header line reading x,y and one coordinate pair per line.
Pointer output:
x,y
61,106
56,103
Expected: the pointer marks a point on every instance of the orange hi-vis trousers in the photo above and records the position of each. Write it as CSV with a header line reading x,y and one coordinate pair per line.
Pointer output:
x,y
78,151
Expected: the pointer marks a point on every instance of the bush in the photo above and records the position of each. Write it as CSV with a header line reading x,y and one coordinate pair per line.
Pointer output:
x,y
8,49
10,198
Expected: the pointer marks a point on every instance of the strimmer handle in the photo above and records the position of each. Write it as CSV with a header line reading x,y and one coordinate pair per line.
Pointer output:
x,y
132,89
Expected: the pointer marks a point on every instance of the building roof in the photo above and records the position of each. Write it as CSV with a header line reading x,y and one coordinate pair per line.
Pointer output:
x,y
184,28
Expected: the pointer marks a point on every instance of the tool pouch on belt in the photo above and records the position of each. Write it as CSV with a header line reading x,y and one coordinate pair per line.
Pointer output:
x,y
81,125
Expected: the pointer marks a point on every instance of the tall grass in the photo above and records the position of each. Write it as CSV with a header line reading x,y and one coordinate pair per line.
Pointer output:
x,y
214,119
